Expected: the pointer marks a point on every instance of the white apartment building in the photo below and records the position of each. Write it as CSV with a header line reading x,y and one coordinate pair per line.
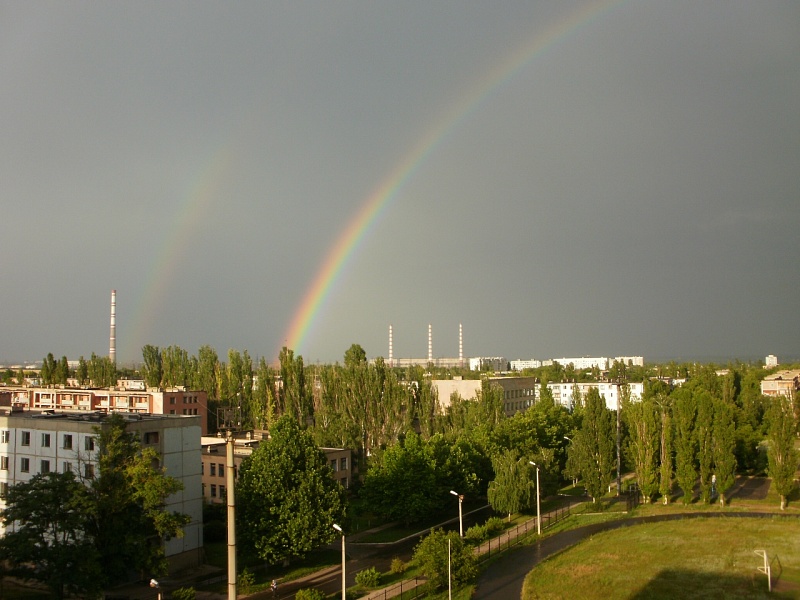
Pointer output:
x,y
34,442
563,392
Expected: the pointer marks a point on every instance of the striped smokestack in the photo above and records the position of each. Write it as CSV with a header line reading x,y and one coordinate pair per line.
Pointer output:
x,y
460,346
391,362
430,344
112,342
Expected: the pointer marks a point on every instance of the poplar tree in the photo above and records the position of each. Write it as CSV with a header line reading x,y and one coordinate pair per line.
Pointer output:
x,y
684,412
782,454
642,419
705,448
724,447
594,445
512,488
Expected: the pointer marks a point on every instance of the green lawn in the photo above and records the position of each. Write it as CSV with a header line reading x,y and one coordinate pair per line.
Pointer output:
x,y
695,558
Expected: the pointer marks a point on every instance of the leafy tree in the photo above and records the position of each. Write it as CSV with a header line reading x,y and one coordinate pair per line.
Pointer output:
x,y
593,445
49,544
684,412
286,497
705,448
401,484
128,510
83,371
666,470
206,376
102,372
354,356
512,489
642,419
152,369
724,444
432,553
20,377
782,454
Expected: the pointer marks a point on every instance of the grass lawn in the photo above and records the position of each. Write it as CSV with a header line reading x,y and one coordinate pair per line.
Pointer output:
x,y
696,558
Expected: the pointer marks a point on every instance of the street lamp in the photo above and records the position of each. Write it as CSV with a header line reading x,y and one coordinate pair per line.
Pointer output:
x,y
460,519
154,584
538,511
344,585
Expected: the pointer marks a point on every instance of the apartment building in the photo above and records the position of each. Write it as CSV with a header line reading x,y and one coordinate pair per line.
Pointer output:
x,y
564,392
214,458
782,383
518,392
123,399
33,442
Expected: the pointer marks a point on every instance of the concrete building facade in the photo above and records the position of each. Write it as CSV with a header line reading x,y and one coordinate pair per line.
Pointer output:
x,y
782,383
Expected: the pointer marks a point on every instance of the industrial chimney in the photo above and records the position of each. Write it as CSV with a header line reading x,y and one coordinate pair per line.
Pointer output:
x,y
391,363
112,342
460,346
430,344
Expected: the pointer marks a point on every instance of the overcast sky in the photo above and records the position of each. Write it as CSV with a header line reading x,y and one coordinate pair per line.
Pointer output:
x,y
589,178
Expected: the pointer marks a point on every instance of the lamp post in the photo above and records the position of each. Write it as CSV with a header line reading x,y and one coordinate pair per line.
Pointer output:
x,y
460,519
154,584
538,511
344,585
449,575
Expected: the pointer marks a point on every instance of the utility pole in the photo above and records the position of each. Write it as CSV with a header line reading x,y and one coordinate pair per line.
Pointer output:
x,y
229,420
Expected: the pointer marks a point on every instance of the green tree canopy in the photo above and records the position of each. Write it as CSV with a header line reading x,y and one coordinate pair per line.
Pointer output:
x,y
782,454
287,501
438,549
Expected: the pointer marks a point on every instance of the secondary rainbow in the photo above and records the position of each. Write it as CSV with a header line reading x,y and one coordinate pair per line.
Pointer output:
x,y
353,236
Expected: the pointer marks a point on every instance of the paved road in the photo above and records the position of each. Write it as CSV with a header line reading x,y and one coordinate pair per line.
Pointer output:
x,y
504,578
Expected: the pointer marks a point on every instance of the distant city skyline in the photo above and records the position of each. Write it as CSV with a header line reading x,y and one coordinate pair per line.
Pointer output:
x,y
562,177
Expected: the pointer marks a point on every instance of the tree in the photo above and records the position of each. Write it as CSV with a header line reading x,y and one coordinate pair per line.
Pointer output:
x,y
782,454
705,449
666,470
286,497
354,356
642,418
152,369
594,445
128,512
437,551
48,543
512,489
684,412
724,444
82,373
401,483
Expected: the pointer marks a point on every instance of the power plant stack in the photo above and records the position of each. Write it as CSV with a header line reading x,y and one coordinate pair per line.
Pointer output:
x,y
112,342
460,346
430,344
391,362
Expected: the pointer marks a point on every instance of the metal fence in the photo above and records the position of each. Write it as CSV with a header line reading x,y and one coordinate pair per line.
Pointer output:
x,y
516,535
402,590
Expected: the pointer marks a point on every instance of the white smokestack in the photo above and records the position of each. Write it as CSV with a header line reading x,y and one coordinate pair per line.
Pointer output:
x,y
430,344
112,342
391,364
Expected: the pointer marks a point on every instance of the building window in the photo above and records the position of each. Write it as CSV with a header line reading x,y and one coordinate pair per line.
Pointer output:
x,y
4,463
343,463
213,490
5,436
26,438
344,482
333,465
45,440
202,468
3,489
89,444
213,467
44,466
172,400
222,491
172,412
24,465
66,467
151,437
221,469
88,471
67,441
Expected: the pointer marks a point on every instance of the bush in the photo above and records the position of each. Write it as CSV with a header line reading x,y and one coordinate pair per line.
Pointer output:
x,y
309,594
431,555
398,566
495,526
476,534
184,594
245,581
368,578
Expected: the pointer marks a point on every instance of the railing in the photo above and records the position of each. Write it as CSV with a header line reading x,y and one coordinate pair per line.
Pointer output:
x,y
516,535
403,590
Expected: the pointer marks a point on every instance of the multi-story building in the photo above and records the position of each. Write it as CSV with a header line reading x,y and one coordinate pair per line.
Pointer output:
x,y
782,383
214,458
33,442
125,399
564,392
518,392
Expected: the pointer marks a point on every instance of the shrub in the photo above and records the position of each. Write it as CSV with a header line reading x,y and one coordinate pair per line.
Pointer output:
x,y
309,594
398,566
368,578
495,526
245,581
431,555
184,594
476,534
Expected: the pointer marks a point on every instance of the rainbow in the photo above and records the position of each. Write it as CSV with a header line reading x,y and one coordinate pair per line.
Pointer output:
x,y
378,202
192,210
